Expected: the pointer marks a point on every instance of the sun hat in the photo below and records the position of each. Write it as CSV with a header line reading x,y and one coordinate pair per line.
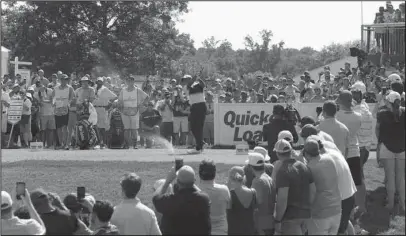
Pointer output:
x,y
285,134
394,78
262,151
6,200
282,146
255,159
393,96
359,86
186,174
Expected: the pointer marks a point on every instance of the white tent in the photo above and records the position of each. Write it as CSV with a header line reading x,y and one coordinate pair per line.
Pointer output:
x,y
4,61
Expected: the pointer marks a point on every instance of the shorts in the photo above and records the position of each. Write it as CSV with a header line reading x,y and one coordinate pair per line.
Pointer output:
x,y
356,170
47,122
385,153
180,124
347,205
130,122
208,130
4,122
61,121
102,117
167,129
324,226
73,119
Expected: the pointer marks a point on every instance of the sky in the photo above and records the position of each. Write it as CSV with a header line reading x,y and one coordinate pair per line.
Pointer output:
x,y
298,24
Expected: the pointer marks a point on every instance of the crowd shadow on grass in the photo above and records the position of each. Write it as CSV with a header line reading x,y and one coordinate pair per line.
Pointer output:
x,y
378,217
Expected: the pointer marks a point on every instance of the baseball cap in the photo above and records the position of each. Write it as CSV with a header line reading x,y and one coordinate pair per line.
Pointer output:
x,y
173,80
311,147
186,174
218,80
262,151
282,146
100,79
187,77
308,130
65,76
6,200
393,96
359,86
394,78
84,78
72,202
229,79
255,159
285,134
30,89
345,97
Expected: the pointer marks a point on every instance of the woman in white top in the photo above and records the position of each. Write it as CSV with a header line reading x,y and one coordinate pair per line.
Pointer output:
x,y
130,99
219,196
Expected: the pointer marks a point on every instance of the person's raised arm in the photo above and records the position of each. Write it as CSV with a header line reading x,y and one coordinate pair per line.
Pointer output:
x,y
40,230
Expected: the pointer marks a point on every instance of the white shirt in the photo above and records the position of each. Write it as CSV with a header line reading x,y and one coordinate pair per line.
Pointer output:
x,y
17,226
166,113
6,98
134,218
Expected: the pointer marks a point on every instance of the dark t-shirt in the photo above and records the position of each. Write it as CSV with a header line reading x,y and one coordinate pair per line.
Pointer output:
x,y
196,87
59,222
179,107
295,175
151,118
391,132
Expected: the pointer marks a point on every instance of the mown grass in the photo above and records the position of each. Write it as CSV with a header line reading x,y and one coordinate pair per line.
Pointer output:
x,y
102,178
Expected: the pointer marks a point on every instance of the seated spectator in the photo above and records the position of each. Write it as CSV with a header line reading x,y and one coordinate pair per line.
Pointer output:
x,y
12,225
131,216
57,219
150,120
240,216
249,172
219,196
100,220
187,210
264,187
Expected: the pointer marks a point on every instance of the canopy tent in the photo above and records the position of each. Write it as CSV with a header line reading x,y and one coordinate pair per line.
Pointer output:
x,y
4,61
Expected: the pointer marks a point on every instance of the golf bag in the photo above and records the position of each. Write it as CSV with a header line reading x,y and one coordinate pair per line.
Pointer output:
x,y
86,136
116,130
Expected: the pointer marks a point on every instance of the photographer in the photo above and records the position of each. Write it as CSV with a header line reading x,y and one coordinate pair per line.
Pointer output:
x,y
165,106
12,225
277,122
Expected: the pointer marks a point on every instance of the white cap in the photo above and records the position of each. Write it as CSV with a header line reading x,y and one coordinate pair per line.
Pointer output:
x,y
262,151
282,146
6,200
393,96
285,134
359,86
394,78
255,159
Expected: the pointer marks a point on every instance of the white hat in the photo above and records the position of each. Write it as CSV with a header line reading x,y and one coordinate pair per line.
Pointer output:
x,y
255,159
394,78
285,134
359,86
282,146
393,96
6,200
100,79
262,151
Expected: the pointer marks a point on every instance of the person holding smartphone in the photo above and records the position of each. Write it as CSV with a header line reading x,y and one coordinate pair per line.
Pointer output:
x,y
12,225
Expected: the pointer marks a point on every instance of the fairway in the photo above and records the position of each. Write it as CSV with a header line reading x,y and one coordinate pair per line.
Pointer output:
x,y
100,172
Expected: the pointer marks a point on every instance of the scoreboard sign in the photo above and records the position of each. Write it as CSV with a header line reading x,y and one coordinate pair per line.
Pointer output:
x,y
15,111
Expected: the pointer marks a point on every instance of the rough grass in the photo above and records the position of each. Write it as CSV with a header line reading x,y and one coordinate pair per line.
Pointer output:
x,y
102,178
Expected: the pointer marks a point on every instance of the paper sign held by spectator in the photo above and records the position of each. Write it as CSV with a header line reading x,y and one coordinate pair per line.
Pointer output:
x,y
15,111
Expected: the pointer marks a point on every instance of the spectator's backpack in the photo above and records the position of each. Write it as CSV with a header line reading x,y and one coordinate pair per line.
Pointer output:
x,y
86,136
116,130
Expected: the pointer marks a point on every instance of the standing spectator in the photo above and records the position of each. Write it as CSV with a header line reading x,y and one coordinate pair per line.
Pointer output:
x,y
337,130
209,121
131,216
219,196
103,98
150,121
240,216
44,81
326,207
249,172
62,96
294,185
244,97
100,219
187,210
130,99
165,107
277,123
5,104
85,92
317,98
47,117
25,122
57,220
265,190
54,81
353,121
390,131
180,116
12,225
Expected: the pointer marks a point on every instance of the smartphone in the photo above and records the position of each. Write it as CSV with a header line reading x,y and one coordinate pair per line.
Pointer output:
x,y
178,163
20,190
81,192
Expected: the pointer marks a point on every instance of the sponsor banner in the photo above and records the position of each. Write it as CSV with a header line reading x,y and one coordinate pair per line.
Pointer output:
x,y
236,123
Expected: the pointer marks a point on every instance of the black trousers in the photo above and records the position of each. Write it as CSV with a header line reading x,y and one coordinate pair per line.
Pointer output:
x,y
196,120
